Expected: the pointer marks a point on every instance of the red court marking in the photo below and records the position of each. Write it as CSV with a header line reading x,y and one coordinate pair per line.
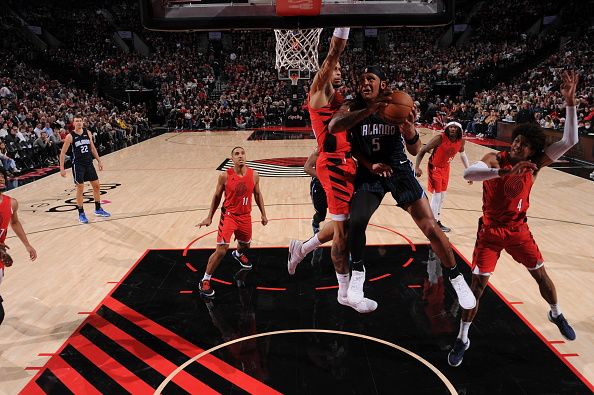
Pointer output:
x,y
286,128
192,268
105,201
50,361
556,341
68,376
516,302
34,368
380,277
414,286
85,312
328,287
185,252
570,355
536,332
109,366
288,162
216,280
209,361
487,142
271,289
45,354
186,292
150,357
33,389
409,241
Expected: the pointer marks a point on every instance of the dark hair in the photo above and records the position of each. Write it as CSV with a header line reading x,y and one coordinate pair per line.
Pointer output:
x,y
377,70
79,116
534,136
458,132
4,173
233,150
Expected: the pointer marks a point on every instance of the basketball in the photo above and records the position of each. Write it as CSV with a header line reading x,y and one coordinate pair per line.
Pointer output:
x,y
397,111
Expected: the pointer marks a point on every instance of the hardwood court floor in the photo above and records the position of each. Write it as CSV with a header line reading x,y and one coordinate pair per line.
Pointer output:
x,y
160,189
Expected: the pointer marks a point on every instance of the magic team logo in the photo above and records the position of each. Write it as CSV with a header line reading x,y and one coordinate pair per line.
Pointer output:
x,y
274,167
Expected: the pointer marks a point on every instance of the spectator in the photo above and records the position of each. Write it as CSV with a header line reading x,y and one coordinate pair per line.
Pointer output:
x,y
7,162
47,149
525,115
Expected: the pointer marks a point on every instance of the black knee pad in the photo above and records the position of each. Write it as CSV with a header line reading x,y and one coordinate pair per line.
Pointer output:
x,y
1,311
318,217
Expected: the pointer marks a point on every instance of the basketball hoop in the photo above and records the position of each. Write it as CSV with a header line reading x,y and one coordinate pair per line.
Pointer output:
x,y
297,49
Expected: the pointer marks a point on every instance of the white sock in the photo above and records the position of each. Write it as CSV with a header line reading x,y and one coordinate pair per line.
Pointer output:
x,y
436,204
343,283
207,276
441,200
310,245
555,310
463,333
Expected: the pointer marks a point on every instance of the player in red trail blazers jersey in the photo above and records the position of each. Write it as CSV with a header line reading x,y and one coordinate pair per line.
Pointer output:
x,y
507,180
443,148
335,168
8,215
238,184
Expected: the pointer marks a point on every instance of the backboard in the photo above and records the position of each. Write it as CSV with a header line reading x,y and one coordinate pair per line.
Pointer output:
x,y
201,15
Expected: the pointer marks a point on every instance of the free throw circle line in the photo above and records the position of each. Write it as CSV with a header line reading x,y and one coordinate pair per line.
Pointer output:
x,y
437,372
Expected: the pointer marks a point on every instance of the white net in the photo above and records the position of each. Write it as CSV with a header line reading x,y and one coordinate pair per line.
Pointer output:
x,y
297,49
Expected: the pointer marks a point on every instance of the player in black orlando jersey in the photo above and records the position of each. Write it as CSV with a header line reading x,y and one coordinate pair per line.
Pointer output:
x,y
383,167
83,152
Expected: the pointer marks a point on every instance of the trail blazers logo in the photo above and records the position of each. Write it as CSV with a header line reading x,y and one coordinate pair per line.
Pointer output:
x,y
275,167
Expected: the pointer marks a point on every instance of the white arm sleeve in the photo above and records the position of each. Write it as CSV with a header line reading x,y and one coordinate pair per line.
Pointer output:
x,y
342,32
464,159
570,135
480,171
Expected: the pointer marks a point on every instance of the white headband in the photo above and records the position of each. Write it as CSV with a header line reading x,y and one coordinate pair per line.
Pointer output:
x,y
457,124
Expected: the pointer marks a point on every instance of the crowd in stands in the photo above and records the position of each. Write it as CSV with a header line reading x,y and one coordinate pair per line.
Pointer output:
x,y
36,114
207,85
533,96
502,20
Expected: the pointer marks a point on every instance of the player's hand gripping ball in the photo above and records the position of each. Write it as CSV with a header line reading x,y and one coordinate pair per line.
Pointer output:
x,y
398,109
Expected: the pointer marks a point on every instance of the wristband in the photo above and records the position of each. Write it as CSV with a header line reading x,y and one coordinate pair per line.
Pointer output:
x,y
413,140
342,32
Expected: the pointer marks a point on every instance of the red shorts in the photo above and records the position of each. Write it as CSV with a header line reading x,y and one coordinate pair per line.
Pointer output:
x,y
516,241
437,178
336,172
229,224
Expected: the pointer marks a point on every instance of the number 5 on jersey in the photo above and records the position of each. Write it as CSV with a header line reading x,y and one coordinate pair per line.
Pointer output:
x,y
375,143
